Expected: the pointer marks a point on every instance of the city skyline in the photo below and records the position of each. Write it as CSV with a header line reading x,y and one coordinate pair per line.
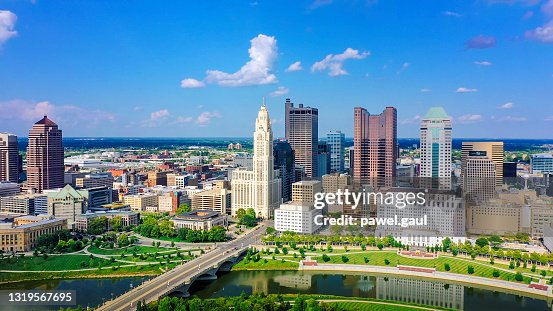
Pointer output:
x,y
164,72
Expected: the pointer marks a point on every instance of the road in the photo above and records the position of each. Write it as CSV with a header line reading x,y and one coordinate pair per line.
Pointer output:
x,y
164,283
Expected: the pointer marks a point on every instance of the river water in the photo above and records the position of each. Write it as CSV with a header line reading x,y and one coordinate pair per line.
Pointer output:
x,y
91,292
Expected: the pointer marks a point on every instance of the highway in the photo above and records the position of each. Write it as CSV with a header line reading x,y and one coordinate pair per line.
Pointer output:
x,y
169,281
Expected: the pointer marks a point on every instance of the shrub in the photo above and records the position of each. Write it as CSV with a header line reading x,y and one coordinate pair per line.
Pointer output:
x,y
495,273
386,261
519,277
470,270
447,267
345,258
326,258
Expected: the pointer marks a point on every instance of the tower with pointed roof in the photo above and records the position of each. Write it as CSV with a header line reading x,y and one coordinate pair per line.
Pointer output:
x,y
45,156
259,188
435,149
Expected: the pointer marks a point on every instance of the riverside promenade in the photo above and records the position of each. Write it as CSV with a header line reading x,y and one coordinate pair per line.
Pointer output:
x,y
447,277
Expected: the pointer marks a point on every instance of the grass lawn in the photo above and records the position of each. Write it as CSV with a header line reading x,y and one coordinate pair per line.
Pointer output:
x,y
377,258
127,250
269,265
52,263
371,306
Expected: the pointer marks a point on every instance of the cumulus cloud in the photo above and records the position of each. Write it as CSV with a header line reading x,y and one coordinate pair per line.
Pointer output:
x,y
469,118
543,33
7,26
480,42
334,63
190,83
451,13
507,105
281,90
295,67
205,117
483,63
28,112
412,120
512,119
257,71
465,90
184,119
156,118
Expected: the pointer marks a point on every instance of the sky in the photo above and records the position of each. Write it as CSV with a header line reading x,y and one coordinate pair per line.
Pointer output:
x,y
202,68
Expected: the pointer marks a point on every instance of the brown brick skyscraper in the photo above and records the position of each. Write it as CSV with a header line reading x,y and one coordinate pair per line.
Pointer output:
x,y
45,156
302,132
375,147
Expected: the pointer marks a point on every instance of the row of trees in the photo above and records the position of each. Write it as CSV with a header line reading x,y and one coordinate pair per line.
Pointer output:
x,y
101,224
153,227
240,303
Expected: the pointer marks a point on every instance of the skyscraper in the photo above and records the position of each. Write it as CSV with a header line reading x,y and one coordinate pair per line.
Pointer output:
x,y
45,156
336,140
302,132
435,149
285,163
9,158
493,150
479,173
323,159
258,188
375,147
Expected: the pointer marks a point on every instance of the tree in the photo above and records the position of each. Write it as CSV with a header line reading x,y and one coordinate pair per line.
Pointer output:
x,y
470,269
519,277
98,225
446,243
116,223
482,242
123,240
386,261
495,273
326,258
543,273
447,267
166,228
247,218
495,241
345,258
183,208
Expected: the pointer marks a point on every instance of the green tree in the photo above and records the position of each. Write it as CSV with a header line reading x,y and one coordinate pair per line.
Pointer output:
x,y
123,240
116,223
98,225
183,208
470,270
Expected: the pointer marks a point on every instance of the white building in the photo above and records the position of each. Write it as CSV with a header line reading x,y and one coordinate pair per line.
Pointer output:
x,y
258,188
435,148
297,217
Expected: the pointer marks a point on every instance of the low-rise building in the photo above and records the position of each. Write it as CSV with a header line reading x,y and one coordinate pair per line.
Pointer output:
x,y
66,203
24,204
297,217
8,188
128,218
139,202
200,220
21,235
218,200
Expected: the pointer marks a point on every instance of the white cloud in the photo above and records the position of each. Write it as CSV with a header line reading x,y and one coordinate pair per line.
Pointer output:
x,y
483,63
7,25
281,90
425,90
466,90
319,3
547,8
184,119
507,105
205,117
294,67
158,115
512,119
334,63
451,13
469,118
257,71
543,34
412,120
190,83
22,111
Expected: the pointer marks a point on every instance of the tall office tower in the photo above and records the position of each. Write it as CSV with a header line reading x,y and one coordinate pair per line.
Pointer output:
x,y
45,156
375,147
258,188
323,159
9,158
336,141
435,149
302,132
285,163
492,149
479,174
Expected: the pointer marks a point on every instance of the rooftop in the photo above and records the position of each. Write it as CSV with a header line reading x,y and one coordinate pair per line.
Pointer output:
x,y
436,113
46,121
198,215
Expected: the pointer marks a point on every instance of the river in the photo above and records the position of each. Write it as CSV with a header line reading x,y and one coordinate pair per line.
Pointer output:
x,y
91,292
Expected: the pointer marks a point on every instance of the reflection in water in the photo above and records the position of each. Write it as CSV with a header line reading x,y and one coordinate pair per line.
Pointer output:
x,y
430,293
434,294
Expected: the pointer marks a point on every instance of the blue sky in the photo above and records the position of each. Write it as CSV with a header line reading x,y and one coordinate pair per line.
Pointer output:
x,y
201,68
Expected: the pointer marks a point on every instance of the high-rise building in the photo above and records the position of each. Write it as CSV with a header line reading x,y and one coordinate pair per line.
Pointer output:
x,y
491,149
45,156
435,149
218,200
67,203
258,188
9,158
302,132
304,191
479,175
541,163
323,159
375,147
285,163
336,141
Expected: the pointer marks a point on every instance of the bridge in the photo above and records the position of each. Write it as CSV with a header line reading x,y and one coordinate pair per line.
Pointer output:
x,y
178,280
